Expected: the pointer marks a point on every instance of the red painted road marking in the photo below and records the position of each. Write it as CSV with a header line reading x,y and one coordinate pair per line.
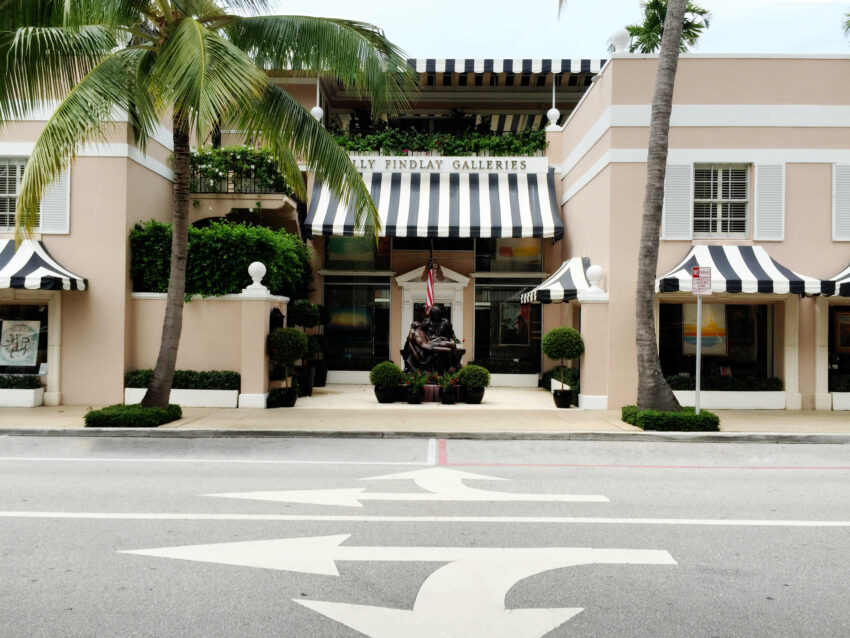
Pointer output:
x,y
843,468
442,453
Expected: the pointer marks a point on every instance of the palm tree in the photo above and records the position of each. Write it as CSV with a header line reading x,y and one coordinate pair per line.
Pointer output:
x,y
845,24
196,63
653,391
646,37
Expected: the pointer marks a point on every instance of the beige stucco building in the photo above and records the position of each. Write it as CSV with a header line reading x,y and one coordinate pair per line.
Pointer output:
x,y
758,170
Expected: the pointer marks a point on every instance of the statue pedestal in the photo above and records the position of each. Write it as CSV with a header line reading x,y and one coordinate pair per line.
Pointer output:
x,y
432,393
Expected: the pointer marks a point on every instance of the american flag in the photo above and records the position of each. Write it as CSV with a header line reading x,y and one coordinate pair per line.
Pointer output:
x,y
429,288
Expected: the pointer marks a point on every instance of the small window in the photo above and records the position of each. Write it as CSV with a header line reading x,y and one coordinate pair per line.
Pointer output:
x,y
509,80
494,80
11,175
721,200
479,80
525,80
461,80
447,79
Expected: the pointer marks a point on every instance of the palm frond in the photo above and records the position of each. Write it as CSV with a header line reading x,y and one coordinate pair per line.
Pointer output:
x,y
204,76
285,126
84,115
39,64
355,53
846,24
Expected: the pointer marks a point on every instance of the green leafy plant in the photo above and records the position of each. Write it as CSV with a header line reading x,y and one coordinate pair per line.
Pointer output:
x,y
415,382
240,169
629,413
218,259
187,379
396,141
386,375
646,36
473,376
725,384
304,313
131,416
317,345
562,343
449,380
286,346
685,420
19,382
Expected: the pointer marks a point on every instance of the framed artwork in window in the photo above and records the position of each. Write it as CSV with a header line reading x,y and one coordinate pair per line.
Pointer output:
x,y
714,342
842,331
514,329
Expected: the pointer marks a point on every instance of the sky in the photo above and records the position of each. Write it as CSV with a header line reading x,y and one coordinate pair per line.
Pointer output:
x,y
532,29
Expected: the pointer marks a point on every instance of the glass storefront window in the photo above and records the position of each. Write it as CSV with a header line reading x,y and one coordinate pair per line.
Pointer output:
x,y
737,340
839,348
507,332
509,254
23,338
358,334
357,253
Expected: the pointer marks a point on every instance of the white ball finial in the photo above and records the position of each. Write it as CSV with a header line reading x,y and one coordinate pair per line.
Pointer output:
x,y
553,115
317,112
620,41
594,276
257,270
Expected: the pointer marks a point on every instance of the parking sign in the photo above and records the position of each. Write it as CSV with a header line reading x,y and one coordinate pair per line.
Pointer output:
x,y
701,282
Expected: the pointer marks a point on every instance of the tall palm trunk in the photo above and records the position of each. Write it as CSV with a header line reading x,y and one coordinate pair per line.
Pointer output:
x,y
653,391
172,325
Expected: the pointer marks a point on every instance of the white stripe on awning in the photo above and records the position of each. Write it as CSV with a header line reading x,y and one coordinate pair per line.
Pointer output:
x,y
432,204
838,286
746,269
31,267
563,285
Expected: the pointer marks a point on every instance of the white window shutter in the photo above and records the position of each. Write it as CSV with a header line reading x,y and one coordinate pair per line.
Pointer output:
x,y
841,202
770,202
677,218
55,204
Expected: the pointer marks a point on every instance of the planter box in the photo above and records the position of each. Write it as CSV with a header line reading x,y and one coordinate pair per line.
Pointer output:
x,y
21,398
190,398
841,400
513,380
716,400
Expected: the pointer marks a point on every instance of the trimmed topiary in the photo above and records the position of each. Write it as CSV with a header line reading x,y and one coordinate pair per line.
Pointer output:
x,y
629,414
386,375
562,343
187,379
473,376
687,420
131,416
304,313
286,346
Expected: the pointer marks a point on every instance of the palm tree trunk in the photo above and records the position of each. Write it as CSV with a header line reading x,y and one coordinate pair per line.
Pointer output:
x,y
172,325
653,391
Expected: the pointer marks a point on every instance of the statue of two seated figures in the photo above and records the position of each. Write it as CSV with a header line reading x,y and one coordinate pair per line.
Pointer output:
x,y
431,345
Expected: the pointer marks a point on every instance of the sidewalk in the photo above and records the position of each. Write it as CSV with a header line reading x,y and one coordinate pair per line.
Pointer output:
x,y
505,413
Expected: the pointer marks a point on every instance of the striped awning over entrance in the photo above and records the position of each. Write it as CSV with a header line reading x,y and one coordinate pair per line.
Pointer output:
x,y
563,285
747,269
448,204
31,267
838,286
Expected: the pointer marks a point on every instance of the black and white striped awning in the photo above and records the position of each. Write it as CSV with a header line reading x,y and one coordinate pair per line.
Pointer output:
x,y
563,285
434,204
747,269
838,286
31,267
525,66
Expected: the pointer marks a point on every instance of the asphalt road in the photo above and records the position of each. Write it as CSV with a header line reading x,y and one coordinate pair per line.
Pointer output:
x,y
101,536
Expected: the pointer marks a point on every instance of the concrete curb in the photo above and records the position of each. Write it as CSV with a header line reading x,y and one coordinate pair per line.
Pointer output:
x,y
655,437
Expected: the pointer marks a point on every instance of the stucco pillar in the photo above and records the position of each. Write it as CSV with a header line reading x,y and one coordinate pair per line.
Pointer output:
x,y
594,331
823,398
52,393
791,358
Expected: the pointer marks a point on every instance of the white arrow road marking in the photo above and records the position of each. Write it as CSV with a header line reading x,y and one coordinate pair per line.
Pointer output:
x,y
442,484
461,599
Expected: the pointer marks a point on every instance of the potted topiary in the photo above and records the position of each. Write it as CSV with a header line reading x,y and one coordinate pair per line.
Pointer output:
x,y
387,377
448,387
559,344
415,385
473,379
286,346
305,313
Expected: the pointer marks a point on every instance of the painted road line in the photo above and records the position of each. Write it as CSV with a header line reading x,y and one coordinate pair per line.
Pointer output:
x,y
432,452
466,597
440,483
83,459
536,520
628,466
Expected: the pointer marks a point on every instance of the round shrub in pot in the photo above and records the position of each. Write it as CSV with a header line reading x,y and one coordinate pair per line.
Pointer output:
x,y
561,344
387,377
473,379
286,346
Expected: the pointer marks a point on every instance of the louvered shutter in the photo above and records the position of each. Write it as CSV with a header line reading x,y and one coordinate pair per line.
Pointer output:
x,y
677,218
55,204
841,202
770,202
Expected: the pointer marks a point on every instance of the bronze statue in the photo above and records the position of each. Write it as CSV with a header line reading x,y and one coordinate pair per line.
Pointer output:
x,y
432,346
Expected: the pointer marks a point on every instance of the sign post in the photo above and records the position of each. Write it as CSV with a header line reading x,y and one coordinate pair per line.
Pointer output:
x,y
700,286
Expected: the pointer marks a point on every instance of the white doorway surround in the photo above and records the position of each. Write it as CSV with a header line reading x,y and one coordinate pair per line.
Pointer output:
x,y
448,292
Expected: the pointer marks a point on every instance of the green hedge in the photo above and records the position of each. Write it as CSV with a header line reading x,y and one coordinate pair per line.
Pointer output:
x,y
396,141
187,379
218,260
386,375
839,383
255,165
472,376
19,382
131,416
685,421
726,384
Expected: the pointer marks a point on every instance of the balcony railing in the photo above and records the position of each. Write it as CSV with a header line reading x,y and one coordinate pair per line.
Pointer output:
x,y
235,169
233,182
